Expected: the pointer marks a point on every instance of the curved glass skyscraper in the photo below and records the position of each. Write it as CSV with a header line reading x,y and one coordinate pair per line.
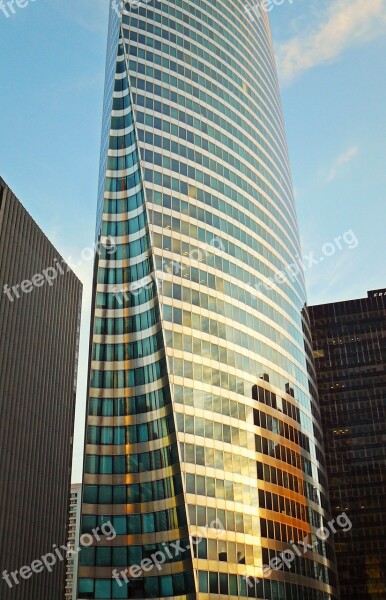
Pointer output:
x,y
203,441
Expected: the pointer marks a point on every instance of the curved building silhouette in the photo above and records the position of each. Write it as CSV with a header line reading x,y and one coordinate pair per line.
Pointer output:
x,y
203,442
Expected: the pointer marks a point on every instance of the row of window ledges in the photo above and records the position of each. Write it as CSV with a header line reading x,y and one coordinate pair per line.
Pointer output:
x,y
179,584
118,141
121,183
123,556
134,226
231,553
147,431
182,584
255,116
226,20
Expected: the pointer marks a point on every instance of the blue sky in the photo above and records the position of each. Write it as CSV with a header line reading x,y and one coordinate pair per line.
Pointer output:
x,y
330,57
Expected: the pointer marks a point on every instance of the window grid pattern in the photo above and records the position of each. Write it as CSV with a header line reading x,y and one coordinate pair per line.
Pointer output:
x,y
129,385
217,207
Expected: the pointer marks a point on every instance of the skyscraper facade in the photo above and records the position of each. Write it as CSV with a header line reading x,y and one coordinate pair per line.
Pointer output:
x,y
202,417
350,351
73,541
40,307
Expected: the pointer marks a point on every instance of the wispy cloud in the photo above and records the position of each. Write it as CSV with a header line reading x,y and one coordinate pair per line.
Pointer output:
x,y
328,281
91,15
341,160
340,26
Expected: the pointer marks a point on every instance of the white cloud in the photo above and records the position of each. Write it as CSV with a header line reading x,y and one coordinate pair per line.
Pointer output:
x,y
344,24
92,15
341,160
333,279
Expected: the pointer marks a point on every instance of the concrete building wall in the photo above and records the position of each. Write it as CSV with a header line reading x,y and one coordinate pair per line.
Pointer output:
x,y
39,333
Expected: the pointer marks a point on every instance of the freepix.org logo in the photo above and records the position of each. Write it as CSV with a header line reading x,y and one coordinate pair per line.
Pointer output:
x,y
9,7
59,268
263,7
123,6
49,560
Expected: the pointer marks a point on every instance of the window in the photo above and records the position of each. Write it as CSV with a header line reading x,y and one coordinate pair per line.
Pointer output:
x,y
213,583
90,494
86,588
102,588
148,523
87,557
120,525
119,494
179,584
203,582
119,590
151,587
137,588
119,556
103,557
166,586
88,523
105,494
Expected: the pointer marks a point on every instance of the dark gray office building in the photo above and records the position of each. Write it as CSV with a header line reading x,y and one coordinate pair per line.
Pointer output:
x,y
350,352
40,303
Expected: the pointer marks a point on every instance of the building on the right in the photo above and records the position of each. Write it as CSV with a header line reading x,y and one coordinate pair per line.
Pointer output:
x,y
349,340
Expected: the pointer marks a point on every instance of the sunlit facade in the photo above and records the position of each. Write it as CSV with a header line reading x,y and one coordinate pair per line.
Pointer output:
x,y
202,412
